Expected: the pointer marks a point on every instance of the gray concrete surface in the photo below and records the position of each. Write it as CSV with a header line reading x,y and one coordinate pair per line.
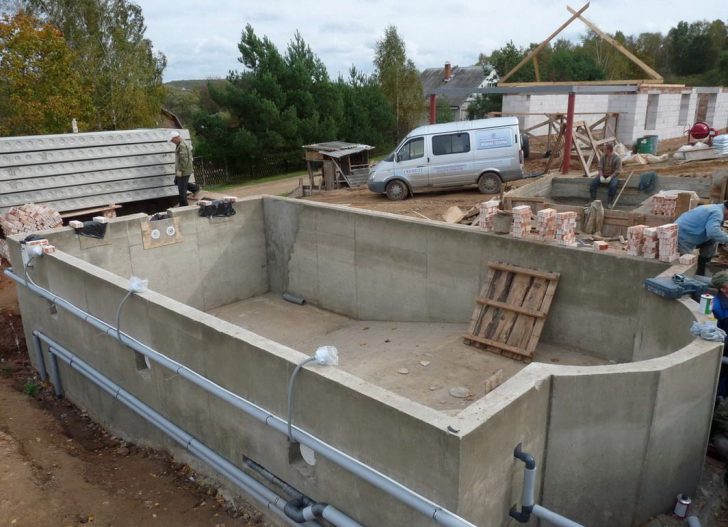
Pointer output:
x,y
614,442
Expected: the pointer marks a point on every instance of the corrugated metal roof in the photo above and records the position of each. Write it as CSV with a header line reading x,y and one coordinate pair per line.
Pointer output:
x,y
338,149
462,78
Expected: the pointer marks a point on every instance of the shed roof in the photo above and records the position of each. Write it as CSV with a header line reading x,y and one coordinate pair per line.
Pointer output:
x,y
338,149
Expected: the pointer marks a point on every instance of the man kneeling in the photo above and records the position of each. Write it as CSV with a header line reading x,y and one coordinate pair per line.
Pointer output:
x,y
610,167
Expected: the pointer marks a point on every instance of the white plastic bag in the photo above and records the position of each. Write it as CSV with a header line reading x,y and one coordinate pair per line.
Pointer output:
x,y
707,331
327,356
138,285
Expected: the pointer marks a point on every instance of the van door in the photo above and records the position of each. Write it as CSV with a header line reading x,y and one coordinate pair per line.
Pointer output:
x,y
497,149
411,163
450,163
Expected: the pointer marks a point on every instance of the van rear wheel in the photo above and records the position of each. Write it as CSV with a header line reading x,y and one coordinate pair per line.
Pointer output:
x,y
489,184
397,190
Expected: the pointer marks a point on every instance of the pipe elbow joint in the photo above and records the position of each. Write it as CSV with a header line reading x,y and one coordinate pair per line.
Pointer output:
x,y
527,458
522,516
294,510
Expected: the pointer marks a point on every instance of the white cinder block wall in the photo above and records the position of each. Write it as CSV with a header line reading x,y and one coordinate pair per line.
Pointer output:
x,y
670,122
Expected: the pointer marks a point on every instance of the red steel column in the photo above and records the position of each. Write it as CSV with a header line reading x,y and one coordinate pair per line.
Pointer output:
x,y
433,108
565,164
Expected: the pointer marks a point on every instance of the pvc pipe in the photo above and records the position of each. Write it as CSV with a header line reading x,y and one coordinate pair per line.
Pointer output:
x,y
556,519
291,384
38,349
257,490
529,485
724,360
693,521
337,517
289,297
372,476
55,375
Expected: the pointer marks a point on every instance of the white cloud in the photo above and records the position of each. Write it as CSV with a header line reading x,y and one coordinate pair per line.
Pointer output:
x,y
200,37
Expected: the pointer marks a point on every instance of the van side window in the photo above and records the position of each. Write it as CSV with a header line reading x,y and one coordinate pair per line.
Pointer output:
x,y
412,149
451,144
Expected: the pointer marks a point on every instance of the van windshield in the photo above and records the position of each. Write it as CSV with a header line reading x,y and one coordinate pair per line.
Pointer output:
x,y
390,157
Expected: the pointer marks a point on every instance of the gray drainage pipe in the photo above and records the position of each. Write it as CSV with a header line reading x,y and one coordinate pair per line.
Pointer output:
x,y
270,500
528,502
356,467
693,521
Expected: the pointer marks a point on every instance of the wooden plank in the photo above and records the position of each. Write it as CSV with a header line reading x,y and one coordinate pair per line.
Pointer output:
x,y
624,51
478,310
503,305
538,326
84,212
535,68
516,295
491,316
523,326
538,48
625,82
494,344
531,272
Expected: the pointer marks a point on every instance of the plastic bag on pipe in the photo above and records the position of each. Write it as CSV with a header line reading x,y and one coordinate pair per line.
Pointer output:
x,y
708,331
327,356
137,285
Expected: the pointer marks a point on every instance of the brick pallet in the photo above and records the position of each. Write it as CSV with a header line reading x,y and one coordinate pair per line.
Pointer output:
x,y
488,210
27,219
546,224
565,228
521,221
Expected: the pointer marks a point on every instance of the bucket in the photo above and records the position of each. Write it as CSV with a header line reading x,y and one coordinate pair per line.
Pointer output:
x,y
652,143
643,145
502,222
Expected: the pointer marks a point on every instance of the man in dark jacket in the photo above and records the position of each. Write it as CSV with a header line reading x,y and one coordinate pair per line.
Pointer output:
x,y
182,168
610,166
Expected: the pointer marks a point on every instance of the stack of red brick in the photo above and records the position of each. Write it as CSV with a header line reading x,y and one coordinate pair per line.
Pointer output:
x,y
649,242
521,221
565,228
488,210
664,205
634,239
546,224
667,237
26,219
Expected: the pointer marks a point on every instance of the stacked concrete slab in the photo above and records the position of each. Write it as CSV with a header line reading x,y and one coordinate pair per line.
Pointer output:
x,y
78,171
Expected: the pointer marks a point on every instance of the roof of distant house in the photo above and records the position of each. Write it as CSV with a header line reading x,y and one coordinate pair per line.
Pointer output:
x,y
460,77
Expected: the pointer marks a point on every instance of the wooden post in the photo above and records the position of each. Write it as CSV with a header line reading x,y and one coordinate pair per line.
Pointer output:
x,y
565,163
433,108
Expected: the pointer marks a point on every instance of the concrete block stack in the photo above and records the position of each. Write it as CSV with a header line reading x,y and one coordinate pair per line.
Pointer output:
x,y
27,219
634,239
488,210
546,224
649,242
667,238
521,221
664,205
566,228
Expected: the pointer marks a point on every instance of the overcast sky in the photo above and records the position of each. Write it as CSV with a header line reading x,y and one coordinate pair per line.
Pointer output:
x,y
200,37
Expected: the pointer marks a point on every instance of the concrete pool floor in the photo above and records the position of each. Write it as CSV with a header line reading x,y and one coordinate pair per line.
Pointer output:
x,y
432,354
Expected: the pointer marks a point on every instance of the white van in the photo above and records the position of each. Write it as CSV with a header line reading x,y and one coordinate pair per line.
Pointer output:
x,y
486,152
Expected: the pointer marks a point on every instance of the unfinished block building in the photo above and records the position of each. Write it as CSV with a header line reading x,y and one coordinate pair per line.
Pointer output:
x,y
665,111
615,408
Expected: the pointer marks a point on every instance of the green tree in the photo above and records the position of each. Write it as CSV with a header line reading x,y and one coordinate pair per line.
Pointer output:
x,y
399,80
40,90
484,104
444,112
119,65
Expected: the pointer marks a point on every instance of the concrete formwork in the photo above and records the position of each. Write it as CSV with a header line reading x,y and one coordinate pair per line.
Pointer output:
x,y
636,428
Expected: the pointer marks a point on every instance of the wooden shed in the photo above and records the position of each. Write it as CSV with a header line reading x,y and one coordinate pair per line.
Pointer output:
x,y
341,164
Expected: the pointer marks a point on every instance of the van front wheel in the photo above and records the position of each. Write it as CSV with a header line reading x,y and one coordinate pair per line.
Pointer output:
x,y
489,184
397,190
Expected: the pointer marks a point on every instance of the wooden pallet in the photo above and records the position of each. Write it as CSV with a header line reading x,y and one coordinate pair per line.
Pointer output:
x,y
511,310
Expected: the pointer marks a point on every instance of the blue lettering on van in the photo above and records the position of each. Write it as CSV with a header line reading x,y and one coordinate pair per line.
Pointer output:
x,y
449,168
487,139
409,171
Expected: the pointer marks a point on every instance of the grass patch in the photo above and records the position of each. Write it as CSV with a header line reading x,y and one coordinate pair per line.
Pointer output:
x,y
31,389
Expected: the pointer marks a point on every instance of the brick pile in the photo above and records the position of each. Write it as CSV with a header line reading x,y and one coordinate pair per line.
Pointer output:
x,y
649,242
565,228
521,221
488,210
546,224
634,239
27,219
688,259
664,205
667,238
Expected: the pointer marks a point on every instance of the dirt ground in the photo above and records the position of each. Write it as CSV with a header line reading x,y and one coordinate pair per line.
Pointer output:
x,y
59,469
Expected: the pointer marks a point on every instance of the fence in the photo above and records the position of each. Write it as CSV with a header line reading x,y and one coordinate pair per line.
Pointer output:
x,y
211,172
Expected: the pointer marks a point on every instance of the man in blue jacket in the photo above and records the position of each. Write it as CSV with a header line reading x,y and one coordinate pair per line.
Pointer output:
x,y
702,228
